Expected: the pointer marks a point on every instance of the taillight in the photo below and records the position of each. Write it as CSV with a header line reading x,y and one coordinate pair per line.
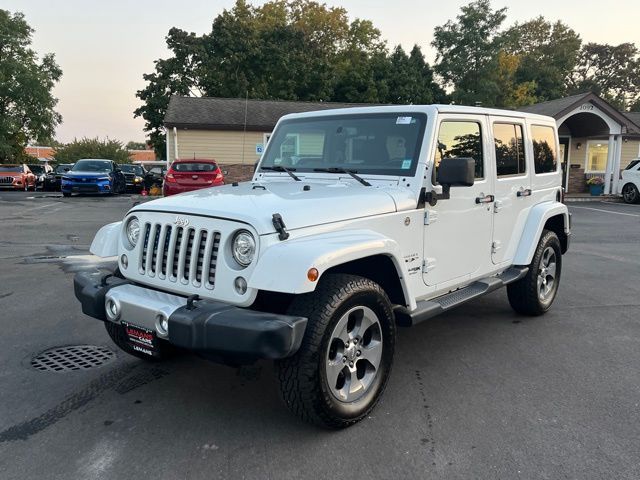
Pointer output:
x,y
170,178
560,195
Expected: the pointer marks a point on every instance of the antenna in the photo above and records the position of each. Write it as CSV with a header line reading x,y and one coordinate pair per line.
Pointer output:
x,y
244,133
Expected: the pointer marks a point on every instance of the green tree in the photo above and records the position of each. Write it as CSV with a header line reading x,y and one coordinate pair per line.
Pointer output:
x,y
547,55
512,93
27,106
92,148
611,71
136,145
467,51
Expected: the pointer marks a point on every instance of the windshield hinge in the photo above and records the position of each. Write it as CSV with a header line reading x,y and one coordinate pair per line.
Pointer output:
x,y
280,227
430,216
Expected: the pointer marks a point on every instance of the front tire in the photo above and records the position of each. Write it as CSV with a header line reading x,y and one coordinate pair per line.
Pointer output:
x,y
534,294
342,367
630,193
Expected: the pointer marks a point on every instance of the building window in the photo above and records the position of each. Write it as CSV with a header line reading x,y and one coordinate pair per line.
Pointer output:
x,y
597,153
545,155
461,140
509,144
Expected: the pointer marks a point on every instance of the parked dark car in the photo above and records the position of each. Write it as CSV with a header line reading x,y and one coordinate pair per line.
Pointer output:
x,y
53,179
155,176
17,177
134,176
94,176
40,171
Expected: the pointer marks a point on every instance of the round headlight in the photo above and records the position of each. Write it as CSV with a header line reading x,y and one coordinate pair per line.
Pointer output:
x,y
244,248
133,231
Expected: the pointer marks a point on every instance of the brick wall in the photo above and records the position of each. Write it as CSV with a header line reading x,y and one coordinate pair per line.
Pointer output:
x,y
577,181
237,172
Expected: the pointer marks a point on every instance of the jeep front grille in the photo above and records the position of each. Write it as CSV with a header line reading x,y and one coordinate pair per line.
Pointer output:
x,y
185,255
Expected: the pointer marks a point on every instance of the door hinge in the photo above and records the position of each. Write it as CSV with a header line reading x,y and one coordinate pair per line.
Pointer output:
x,y
495,246
497,206
430,216
428,264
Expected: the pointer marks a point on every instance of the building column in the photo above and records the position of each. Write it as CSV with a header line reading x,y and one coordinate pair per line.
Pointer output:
x,y
616,165
609,167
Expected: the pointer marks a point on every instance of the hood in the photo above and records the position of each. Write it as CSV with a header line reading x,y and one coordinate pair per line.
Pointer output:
x,y
255,203
80,173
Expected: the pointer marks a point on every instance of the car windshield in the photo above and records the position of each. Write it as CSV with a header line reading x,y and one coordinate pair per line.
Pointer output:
x,y
63,168
36,168
194,167
137,169
378,143
632,164
10,168
92,166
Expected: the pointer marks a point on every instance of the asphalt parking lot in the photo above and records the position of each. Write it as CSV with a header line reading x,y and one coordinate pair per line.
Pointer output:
x,y
477,393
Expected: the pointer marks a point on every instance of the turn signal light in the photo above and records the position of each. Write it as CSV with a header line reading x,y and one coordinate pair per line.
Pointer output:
x,y
170,178
313,274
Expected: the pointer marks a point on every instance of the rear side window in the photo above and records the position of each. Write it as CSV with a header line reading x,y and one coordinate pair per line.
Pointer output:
x,y
545,157
194,167
462,140
509,145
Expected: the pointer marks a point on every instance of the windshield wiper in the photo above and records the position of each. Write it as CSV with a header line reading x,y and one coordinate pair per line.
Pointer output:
x,y
280,168
352,173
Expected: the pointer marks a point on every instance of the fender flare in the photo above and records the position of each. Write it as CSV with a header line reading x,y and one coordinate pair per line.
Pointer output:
x,y
283,267
534,225
105,243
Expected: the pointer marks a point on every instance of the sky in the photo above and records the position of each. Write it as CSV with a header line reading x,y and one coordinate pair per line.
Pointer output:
x,y
104,47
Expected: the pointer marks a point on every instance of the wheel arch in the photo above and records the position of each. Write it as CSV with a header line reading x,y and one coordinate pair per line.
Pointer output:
x,y
552,216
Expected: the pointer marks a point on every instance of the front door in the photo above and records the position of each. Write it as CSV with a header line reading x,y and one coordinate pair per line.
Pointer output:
x,y
457,240
512,185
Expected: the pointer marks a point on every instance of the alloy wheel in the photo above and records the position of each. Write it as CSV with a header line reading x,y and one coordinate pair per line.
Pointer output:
x,y
547,274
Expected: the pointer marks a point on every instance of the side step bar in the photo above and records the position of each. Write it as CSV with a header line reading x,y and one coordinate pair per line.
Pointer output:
x,y
430,308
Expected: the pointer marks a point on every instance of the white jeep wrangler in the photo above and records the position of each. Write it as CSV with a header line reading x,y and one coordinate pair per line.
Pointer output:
x,y
355,221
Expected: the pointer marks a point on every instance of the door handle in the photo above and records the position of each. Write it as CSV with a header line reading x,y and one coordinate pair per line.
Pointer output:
x,y
485,199
524,193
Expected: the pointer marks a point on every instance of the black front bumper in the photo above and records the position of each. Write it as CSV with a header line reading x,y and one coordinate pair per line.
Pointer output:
x,y
208,327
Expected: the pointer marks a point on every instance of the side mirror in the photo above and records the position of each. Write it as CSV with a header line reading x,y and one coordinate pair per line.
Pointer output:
x,y
456,172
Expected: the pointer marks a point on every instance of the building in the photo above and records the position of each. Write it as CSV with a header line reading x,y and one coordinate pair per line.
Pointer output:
x,y
44,154
232,131
595,139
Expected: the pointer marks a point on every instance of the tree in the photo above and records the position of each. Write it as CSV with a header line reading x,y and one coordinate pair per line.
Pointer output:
x,y
512,93
136,145
611,71
547,54
286,50
27,106
467,52
92,148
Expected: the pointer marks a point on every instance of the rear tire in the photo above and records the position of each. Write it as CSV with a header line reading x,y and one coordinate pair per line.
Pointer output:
x,y
534,294
341,369
630,193
66,194
119,337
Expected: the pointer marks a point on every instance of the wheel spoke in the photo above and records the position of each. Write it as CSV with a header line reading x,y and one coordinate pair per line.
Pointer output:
x,y
551,270
354,384
333,370
372,353
341,329
540,284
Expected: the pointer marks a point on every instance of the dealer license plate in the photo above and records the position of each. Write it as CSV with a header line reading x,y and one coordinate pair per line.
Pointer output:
x,y
141,339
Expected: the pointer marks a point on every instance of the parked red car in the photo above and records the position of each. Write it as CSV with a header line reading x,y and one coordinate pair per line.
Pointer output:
x,y
188,175
17,177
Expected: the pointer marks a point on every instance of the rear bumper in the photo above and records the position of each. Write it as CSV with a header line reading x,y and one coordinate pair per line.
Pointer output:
x,y
208,327
174,188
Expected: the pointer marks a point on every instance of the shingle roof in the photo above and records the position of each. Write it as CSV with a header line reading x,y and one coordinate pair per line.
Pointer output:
x,y
634,117
552,107
229,113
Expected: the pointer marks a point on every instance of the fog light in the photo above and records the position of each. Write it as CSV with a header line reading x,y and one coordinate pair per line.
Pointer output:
x,y
124,261
113,311
162,324
240,285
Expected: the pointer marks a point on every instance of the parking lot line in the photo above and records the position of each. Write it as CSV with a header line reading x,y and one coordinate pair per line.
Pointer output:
x,y
607,211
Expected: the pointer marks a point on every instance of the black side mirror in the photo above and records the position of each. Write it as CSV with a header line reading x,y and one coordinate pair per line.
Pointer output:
x,y
457,172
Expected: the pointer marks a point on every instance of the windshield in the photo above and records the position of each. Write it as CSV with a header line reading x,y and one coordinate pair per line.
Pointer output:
x,y
10,168
137,169
36,168
376,143
92,166
194,167
63,168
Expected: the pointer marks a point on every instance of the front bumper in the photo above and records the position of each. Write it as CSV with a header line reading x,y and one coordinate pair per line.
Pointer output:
x,y
208,327
70,186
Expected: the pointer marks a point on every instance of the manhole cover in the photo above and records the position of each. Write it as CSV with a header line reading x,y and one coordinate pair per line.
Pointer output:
x,y
75,357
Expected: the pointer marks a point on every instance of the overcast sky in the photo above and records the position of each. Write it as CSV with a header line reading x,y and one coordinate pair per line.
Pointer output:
x,y
104,47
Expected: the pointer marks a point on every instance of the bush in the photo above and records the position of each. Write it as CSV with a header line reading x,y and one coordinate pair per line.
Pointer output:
x,y
92,148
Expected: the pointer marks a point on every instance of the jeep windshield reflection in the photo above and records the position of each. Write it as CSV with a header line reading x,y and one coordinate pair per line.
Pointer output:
x,y
377,144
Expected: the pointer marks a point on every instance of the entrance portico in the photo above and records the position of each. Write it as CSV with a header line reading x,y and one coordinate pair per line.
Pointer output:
x,y
595,139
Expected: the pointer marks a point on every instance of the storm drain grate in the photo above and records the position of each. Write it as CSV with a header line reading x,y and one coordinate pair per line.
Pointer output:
x,y
75,357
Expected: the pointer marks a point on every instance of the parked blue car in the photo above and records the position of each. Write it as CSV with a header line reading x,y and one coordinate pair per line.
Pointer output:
x,y
93,176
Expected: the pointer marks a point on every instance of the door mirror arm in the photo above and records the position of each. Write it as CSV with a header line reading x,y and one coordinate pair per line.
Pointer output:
x,y
432,196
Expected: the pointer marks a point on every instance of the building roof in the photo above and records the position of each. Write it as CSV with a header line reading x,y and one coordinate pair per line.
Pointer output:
x,y
634,117
229,113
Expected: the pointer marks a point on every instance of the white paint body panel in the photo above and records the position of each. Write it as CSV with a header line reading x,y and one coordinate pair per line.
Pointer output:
x,y
105,242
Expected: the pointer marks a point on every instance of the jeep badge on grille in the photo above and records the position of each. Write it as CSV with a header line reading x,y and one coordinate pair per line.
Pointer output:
x,y
181,222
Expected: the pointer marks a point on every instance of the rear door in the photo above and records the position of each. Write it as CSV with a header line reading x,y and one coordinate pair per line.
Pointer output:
x,y
512,185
